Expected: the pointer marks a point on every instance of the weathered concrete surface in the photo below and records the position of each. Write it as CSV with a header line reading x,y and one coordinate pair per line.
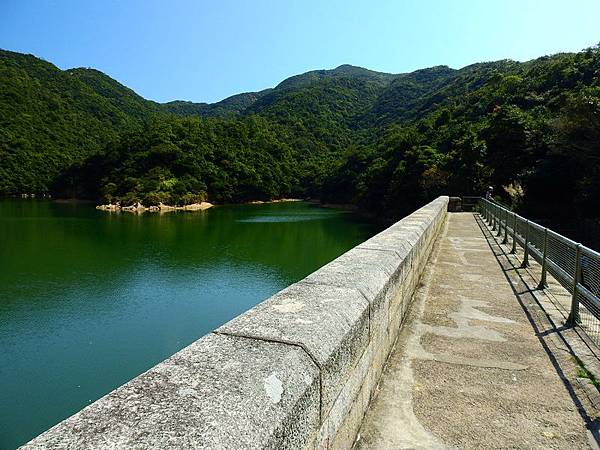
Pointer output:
x,y
291,316
468,370
220,392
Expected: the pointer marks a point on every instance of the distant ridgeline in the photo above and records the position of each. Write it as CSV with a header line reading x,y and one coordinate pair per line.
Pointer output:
x,y
387,143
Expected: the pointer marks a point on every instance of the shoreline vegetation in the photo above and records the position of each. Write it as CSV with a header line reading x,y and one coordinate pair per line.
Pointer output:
x,y
162,208
198,206
277,200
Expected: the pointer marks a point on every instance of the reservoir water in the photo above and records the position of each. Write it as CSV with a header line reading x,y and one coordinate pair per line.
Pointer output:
x,y
90,299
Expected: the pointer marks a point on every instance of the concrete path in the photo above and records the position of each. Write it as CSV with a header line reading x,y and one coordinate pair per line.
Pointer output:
x,y
472,368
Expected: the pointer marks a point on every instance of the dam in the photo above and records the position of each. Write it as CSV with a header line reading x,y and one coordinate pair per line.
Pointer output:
x,y
448,329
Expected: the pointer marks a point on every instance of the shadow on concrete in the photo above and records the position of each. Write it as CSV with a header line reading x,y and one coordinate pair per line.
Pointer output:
x,y
528,296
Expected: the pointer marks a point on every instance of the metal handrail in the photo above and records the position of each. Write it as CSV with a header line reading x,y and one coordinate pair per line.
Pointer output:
x,y
573,265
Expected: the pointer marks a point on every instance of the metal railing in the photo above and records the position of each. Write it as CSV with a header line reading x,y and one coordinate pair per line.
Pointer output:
x,y
574,266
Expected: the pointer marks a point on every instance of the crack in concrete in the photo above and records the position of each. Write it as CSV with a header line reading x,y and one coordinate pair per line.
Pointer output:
x,y
464,329
402,427
412,434
467,312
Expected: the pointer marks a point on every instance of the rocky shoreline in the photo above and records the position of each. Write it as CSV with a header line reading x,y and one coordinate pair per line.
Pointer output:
x,y
277,200
161,207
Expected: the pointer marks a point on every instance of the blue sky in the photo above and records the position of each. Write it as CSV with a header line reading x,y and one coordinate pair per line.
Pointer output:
x,y
207,50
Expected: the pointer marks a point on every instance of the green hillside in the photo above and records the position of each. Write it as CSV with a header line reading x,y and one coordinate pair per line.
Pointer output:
x,y
384,142
50,119
231,106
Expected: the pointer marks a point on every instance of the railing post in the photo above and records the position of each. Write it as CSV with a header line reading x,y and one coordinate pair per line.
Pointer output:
x,y
574,315
513,250
497,216
494,214
500,209
543,283
526,248
505,240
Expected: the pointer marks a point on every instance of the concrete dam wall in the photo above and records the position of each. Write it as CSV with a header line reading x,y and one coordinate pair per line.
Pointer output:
x,y
296,371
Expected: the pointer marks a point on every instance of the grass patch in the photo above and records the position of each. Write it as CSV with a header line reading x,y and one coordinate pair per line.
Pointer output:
x,y
582,372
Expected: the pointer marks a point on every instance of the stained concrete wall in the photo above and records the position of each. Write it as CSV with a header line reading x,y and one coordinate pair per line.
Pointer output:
x,y
296,371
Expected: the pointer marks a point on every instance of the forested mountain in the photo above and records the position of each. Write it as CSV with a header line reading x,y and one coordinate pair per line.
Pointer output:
x,y
50,119
384,142
231,106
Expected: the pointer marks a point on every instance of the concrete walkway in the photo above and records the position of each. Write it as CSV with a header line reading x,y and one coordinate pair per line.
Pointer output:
x,y
472,368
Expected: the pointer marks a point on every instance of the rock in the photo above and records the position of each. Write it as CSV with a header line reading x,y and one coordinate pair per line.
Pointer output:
x,y
161,207
197,206
109,207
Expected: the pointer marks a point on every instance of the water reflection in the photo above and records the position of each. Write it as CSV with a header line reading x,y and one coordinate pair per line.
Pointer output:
x,y
90,299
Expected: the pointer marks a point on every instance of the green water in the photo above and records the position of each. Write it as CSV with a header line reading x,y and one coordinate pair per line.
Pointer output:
x,y
89,299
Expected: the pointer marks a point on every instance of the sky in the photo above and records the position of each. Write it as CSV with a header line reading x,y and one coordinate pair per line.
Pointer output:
x,y
204,51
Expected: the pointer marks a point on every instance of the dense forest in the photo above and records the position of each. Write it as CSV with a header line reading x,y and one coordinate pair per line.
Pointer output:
x,y
386,143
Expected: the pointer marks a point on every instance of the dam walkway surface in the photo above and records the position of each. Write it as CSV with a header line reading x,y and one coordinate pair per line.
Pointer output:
x,y
478,364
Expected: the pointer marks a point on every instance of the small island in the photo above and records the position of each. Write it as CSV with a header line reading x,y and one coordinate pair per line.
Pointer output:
x,y
161,207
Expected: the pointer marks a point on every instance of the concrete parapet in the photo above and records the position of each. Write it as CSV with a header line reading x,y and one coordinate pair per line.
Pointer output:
x,y
296,371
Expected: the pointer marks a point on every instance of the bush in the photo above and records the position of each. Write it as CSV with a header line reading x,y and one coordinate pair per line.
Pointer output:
x,y
190,198
108,192
129,199
155,197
